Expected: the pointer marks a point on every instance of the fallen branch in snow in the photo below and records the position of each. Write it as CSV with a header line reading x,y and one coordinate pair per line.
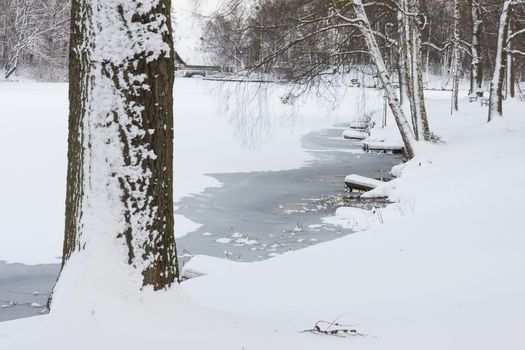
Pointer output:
x,y
333,328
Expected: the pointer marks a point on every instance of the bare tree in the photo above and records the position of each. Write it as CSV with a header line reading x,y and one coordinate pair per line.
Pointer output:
x,y
364,25
32,29
412,22
476,72
309,40
500,64
456,69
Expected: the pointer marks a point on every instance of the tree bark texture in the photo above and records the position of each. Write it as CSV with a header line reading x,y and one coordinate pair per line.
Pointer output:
x,y
456,60
498,77
476,75
413,70
120,144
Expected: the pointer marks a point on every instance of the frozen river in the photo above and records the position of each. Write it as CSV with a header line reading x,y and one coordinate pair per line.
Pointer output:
x,y
253,216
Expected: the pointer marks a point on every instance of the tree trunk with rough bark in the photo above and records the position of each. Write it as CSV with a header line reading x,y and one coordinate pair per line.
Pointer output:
x,y
413,67
510,77
120,155
403,54
456,60
476,74
421,127
498,77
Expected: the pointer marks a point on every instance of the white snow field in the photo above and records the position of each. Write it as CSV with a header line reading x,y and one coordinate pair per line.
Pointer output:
x,y
209,138
448,272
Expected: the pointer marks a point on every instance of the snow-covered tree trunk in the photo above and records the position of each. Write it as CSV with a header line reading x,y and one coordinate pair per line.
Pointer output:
x,y
510,90
456,69
410,51
119,204
416,75
510,77
498,76
476,74
386,82
18,16
402,66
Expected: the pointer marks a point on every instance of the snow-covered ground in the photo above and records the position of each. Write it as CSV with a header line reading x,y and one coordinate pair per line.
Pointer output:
x,y
209,138
443,268
448,272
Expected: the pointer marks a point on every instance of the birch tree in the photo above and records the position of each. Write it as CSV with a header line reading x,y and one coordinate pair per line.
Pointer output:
x,y
456,59
327,36
476,73
514,49
510,73
120,160
411,57
361,19
498,76
403,54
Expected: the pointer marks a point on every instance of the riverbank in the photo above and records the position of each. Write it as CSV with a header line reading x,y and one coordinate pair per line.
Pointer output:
x,y
251,216
216,132
448,275
258,215
251,198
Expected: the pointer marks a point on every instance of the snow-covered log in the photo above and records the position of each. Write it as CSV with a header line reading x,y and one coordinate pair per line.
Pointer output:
x,y
361,183
352,134
383,146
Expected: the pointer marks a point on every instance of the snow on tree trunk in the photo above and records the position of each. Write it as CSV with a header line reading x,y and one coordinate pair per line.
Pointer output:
x,y
422,128
382,73
510,89
119,204
498,76
476,75
410,51
510,76
402,69
456,60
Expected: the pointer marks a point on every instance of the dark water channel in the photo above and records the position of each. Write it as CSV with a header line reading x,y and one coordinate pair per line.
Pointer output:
x,y
257,215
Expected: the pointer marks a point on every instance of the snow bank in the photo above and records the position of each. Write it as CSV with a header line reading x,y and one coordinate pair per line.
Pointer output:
x,y
447,273
201,265
183,226
358,219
